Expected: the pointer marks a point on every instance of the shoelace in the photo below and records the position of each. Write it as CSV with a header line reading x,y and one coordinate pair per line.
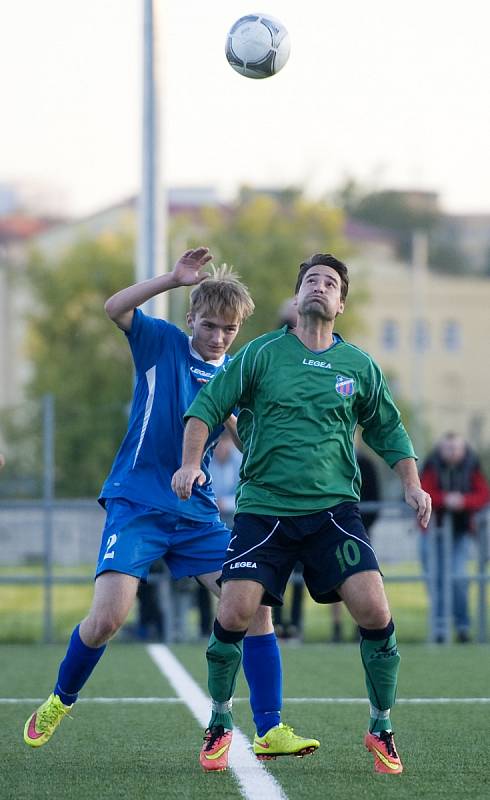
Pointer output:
x,y
50,716
212,735
387,738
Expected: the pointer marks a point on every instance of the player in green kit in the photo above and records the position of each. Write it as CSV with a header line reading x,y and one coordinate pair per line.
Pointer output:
x,y
300,396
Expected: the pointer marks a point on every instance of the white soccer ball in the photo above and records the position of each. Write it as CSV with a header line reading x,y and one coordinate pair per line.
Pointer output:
x,y
257,46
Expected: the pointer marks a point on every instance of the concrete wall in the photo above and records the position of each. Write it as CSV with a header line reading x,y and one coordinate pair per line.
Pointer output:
x,y
77,531
76,535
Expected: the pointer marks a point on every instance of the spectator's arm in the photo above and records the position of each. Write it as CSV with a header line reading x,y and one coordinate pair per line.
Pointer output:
x,y
479,494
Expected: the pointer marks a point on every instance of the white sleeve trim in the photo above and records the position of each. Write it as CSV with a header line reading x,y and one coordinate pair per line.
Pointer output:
x,y
150,379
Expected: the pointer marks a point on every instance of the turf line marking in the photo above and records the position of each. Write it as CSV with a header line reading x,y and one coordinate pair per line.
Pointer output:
x,y
333,700
254,781
399,700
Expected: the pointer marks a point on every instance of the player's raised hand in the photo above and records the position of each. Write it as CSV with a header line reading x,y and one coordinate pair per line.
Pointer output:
x,y
184,479
187,269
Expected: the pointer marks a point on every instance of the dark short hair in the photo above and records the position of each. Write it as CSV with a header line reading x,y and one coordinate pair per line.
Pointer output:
x,y
327,260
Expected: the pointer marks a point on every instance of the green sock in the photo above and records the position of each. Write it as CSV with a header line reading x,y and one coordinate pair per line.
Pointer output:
x,y
224,660
381,660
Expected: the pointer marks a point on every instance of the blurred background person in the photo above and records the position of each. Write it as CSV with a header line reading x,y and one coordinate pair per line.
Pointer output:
x,y
453,477
288,314
225,468
150,615
291,628
163,606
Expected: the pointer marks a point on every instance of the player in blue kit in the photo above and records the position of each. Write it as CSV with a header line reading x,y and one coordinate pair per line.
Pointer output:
x,y
145,519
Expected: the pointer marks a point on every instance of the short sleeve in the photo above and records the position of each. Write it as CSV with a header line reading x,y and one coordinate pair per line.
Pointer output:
x,y
149,338
380,419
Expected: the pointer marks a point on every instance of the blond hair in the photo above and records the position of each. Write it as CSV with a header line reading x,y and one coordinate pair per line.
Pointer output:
x,y
222,295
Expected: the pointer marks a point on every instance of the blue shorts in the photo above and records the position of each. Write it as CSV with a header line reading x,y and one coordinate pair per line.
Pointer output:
x,y
136,535
332,545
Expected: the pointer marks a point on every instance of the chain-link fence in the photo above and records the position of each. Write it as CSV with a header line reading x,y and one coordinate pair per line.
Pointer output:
x,y
48,548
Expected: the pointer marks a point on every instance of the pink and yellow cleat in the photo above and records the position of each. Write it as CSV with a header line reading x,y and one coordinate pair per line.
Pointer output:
x,y
214,752
41,725
386,758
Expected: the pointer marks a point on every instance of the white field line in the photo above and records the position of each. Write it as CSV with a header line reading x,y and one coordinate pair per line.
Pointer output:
x,y
332,700
254,781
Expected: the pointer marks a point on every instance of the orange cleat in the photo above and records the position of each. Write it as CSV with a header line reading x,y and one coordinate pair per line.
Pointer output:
x,y
214,752
382,746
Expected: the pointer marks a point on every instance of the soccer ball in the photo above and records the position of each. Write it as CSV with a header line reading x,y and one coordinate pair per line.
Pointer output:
x,y
257,46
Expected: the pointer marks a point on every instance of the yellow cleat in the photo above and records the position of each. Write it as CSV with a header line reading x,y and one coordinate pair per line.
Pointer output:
x,y
41,725
282,741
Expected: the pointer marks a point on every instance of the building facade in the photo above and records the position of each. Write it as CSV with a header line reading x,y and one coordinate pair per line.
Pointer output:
x,y
429,332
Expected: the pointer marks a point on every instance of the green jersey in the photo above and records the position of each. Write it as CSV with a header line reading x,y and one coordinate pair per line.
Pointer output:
x,y
297,414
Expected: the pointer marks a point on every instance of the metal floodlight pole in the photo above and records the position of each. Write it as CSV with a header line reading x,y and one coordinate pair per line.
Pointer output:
x,y
151,254
48,499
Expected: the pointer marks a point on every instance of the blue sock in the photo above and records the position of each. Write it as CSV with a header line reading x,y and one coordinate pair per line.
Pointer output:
x,y
76,668
262,668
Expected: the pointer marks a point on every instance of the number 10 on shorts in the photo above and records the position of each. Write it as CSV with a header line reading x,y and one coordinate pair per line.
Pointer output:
x,y
348,555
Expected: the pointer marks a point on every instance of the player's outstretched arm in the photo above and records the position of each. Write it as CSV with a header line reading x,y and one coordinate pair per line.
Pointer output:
x,y
186,272
195,437
415,496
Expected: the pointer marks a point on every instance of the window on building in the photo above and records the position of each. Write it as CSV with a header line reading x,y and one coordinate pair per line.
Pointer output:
x,y
390,334
451,335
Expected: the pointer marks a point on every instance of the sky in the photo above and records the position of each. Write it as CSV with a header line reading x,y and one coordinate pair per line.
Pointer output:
x,y
393,94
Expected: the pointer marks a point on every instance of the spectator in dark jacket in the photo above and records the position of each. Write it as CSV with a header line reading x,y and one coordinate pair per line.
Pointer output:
x,y
453,477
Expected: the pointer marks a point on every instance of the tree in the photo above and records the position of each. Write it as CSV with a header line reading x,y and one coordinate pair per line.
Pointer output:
x,y
446,257
402,213
392,211
266,236
79,357
82,359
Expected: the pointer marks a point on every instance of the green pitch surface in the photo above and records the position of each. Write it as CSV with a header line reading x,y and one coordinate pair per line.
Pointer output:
x,y
127,749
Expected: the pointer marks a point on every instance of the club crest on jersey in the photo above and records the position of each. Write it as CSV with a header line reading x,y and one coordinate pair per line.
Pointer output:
x,y
345,386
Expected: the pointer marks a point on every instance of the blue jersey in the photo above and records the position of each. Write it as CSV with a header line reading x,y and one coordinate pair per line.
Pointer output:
x,y
168,376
